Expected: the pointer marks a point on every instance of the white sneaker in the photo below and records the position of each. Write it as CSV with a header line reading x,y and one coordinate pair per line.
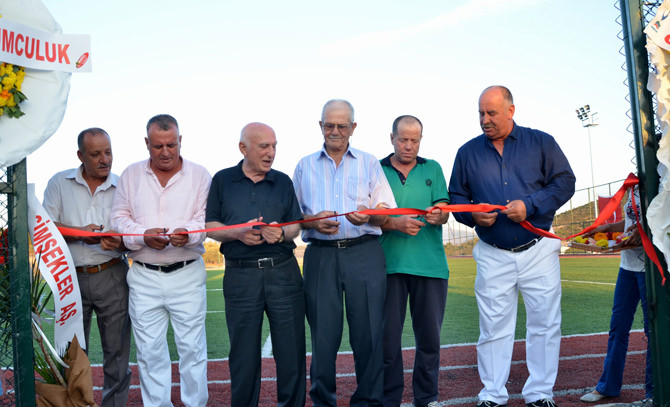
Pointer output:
x,y
592,397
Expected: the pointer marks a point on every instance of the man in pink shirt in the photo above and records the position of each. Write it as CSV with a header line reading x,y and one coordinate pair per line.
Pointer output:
x,y
160,199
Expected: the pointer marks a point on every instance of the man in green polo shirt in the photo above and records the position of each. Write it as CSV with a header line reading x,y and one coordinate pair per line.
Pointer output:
x,y
415,263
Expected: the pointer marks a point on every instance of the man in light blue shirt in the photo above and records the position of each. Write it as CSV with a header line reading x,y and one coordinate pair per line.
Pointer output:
x,y
343,257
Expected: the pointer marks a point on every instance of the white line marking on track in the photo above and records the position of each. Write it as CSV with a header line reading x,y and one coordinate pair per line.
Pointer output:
x,y
450,402
473,400
586,282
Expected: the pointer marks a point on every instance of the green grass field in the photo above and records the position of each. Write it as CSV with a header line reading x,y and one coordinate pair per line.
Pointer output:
x,y
588,286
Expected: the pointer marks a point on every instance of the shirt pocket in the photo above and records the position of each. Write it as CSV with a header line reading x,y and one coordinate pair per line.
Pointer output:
x,y
353,192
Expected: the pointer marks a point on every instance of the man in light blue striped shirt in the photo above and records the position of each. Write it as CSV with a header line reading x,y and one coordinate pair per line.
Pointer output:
x,y
343,257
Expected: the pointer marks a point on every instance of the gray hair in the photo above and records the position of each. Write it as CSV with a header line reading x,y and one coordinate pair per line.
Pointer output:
x,y
163,121
333,101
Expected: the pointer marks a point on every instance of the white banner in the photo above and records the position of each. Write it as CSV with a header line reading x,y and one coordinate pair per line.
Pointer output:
x,y
658,45
47,91
58,270
37,49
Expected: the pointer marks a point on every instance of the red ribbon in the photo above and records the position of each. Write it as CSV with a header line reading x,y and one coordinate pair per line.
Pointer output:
x,y
607,211
611,206
646,242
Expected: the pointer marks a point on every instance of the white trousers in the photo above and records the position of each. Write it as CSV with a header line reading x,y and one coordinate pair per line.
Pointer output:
x,y
179,298
501,275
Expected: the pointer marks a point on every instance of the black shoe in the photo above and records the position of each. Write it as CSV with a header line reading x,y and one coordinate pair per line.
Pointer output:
x,y
488,403
542,403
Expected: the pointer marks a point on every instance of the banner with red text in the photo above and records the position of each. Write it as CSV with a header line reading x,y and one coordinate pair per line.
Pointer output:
x,y
33,48
46,90
58,270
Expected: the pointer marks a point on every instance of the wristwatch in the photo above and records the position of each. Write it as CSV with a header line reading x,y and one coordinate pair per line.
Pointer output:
x,y
281,238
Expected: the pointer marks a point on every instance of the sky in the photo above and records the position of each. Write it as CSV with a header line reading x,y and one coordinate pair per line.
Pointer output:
x,y
216,65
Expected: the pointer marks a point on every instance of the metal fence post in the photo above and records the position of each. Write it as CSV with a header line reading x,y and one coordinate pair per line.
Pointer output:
x,y
24,376
646,143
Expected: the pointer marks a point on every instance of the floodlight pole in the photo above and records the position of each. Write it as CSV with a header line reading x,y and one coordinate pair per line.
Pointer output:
x,y
588,120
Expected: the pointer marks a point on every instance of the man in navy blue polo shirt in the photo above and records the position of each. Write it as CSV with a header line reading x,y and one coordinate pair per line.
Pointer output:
x,y
262,273
526,171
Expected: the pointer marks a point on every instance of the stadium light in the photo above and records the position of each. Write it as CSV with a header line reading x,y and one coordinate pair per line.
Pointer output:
x,y
587,118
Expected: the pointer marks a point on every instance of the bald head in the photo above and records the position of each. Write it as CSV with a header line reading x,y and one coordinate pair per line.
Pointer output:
x,y
501,91
496,112
254,129
258,145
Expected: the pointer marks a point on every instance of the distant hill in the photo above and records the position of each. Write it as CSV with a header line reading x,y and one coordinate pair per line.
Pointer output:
x,y
574,220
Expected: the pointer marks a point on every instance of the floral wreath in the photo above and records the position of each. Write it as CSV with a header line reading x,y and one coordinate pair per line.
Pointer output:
x,y
11,79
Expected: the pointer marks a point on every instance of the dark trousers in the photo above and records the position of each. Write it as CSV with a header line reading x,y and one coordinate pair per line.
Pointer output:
x,y
277,291
427,300
358,272
106,294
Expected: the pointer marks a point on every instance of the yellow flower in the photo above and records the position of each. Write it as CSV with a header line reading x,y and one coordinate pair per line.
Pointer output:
x,y
11,79
19,79
603,243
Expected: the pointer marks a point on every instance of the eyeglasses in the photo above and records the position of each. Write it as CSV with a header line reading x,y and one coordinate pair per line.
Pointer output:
x,y
332,126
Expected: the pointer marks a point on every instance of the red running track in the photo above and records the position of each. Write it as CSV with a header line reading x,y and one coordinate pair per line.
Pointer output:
x,y
580,367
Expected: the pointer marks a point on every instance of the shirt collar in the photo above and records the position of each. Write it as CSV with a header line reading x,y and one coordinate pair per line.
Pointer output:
x,y
77,174
350,151
238,174
514,135
184,165
387,160
515,132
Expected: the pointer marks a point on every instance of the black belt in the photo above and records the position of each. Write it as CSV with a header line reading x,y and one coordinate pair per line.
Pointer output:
x,y
341,244
263,263
521,248
166,268
99,267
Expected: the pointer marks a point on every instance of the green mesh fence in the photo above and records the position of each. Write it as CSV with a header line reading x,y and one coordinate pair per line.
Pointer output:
x,y
16,369
6,351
